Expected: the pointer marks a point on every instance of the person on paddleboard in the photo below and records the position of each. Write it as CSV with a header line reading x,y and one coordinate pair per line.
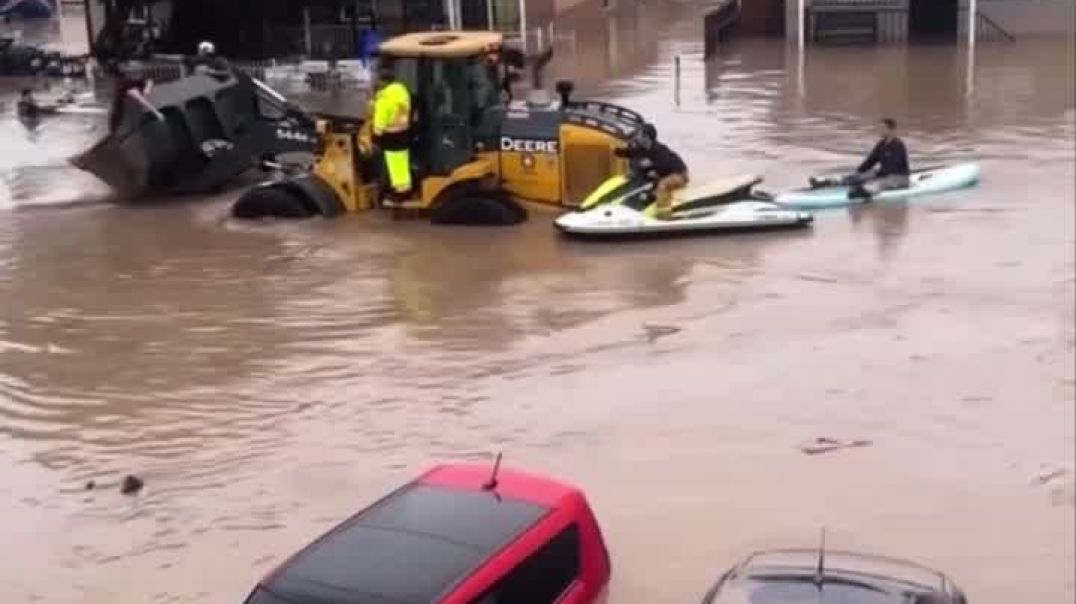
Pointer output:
x,y
660,164
885,168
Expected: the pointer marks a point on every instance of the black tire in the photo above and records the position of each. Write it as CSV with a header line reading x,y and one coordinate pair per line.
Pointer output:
x,y
475,210
318,196
272,201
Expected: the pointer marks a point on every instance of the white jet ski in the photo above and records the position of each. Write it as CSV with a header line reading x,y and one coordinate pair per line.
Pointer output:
x,y
624,207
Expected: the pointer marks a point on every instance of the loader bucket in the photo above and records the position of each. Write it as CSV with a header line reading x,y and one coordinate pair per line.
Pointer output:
x,y
196,134
127,164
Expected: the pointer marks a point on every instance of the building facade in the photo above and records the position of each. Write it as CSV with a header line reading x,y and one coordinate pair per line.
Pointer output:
x,y
257,29
901,20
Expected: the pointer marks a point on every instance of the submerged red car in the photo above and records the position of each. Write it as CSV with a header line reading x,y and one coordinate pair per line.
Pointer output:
x,y
458,534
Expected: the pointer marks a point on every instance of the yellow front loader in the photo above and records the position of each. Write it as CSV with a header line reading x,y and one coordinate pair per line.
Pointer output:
x,y
477,156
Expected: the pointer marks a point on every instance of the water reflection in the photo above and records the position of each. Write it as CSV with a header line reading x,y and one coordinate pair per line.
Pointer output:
x,y
922,86
599,40
888,222
123,314
128,316
452,292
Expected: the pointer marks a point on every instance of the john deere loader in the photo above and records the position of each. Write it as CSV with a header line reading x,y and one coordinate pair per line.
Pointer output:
x,y
477,156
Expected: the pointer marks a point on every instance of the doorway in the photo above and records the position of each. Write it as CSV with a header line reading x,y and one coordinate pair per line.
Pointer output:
x,y
933,19
763,17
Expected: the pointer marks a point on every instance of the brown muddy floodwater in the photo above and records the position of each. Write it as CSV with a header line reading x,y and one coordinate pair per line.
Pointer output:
x,y
268,380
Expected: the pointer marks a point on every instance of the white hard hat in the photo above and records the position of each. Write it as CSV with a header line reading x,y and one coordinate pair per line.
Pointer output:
x,y
206,48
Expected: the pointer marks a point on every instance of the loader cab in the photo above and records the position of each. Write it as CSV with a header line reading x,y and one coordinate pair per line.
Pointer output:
x,y
454,84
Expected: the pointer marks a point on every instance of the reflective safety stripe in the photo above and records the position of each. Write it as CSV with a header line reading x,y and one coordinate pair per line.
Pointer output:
x,y
398,166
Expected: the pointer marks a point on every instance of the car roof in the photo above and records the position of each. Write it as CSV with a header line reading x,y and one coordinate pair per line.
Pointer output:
x,y
788,577
512,484
417,543
848,562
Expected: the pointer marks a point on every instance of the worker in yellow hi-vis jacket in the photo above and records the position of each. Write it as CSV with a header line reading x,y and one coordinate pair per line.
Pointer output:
x,y
392,131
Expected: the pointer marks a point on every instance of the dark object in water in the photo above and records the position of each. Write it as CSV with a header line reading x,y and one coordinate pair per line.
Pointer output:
x,y
131,485
825,444
654,333
196,134
91,485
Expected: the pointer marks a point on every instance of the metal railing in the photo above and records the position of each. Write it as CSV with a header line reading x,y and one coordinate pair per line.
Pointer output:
x,y
988,30
314,42
857,5
168,68
718,24
323,42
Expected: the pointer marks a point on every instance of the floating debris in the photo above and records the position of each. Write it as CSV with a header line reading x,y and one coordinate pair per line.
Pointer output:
x,y
131,485
653,333
824,444
90,485
1049,475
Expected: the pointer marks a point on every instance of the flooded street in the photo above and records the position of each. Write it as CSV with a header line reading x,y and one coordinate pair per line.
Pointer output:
x,y
268,380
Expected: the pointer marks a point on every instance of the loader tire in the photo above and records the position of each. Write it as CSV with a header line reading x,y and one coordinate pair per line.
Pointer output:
x,y
273,201
475,210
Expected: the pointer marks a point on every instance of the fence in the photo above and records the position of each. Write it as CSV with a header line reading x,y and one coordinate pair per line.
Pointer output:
x,y
315,42
718,23
988,30
168,68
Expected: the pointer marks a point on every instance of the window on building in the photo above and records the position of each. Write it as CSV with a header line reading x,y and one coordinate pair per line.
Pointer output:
x,y
543,577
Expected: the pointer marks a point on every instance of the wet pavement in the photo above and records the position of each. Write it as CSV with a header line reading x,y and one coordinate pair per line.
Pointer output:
x,y
267,380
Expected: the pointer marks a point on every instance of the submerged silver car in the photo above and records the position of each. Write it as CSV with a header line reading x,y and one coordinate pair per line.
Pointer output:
x,y
805,576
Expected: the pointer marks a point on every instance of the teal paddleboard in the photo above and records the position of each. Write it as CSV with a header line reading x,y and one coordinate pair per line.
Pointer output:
x,y
923,182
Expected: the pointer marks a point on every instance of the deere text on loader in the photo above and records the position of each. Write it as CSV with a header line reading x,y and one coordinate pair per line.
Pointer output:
x,y
477,156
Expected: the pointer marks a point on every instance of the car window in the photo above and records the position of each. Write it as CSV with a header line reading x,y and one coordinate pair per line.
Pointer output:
x,y
805,591
543,577
262,596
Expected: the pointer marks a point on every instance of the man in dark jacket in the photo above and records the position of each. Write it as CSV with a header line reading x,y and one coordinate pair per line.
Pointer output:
x,y
886,167
660,164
